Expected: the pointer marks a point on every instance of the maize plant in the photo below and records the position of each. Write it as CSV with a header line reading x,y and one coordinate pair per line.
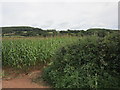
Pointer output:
x,y
23,53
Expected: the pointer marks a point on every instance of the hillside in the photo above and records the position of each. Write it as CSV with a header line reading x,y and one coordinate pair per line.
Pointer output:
x,y
31,31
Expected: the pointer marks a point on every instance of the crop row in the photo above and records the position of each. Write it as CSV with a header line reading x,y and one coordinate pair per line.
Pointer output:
x,y
24,53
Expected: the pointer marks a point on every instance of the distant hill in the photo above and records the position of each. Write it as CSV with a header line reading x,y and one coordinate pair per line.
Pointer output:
x,y
17,29
21,31
31,31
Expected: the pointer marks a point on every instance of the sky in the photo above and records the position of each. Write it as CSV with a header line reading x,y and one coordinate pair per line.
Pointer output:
x,y
60,15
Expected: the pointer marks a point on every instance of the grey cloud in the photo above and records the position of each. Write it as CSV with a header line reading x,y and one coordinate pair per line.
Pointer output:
x,y
64,15
47,24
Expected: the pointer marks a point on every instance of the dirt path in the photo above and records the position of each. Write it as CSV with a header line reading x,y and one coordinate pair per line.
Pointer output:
x,y
22,81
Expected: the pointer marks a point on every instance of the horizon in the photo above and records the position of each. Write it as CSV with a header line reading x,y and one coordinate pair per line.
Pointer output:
x,y
56,29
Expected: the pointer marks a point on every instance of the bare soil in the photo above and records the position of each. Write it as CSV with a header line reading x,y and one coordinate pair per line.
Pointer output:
x,y
22,80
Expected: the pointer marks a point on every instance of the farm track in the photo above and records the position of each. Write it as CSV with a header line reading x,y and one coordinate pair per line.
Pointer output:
x,y
23,81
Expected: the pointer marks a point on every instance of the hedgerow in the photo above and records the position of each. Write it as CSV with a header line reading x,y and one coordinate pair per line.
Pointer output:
x,y
91,62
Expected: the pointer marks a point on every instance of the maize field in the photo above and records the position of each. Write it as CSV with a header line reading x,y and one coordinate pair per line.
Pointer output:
x,y
23,53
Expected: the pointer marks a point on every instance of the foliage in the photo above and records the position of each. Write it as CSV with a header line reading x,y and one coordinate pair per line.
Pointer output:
x,y
91,62
31,31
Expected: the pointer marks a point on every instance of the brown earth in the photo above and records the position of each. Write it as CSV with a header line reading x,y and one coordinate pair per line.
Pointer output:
x,y
23,80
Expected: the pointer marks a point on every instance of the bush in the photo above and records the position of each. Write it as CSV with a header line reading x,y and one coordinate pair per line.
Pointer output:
x,y
91,62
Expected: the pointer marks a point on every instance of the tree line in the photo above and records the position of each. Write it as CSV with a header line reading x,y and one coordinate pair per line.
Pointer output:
x,y
31,31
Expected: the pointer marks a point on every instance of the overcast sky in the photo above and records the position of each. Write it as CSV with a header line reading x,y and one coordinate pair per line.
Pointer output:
x,y
60,15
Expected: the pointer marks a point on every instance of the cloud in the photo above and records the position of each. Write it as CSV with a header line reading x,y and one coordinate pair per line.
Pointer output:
x,y
60,15
47,24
